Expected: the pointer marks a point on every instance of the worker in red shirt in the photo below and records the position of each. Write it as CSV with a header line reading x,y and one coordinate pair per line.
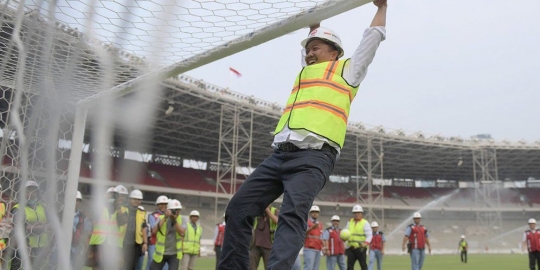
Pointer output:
x,y
376,247
531,240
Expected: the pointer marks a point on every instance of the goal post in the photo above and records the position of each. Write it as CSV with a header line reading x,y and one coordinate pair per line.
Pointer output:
x,y
66,69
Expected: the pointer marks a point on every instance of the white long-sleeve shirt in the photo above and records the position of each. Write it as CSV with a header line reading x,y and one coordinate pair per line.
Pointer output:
x,y
354,74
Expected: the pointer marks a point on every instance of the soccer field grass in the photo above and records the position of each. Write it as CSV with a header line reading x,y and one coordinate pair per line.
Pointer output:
x,y
434,262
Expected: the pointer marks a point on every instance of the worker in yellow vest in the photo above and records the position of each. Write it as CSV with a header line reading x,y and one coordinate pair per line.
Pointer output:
x,y
361,235
192,241
135,240
169,233
5,228
264,230
36,228
307,140
108,230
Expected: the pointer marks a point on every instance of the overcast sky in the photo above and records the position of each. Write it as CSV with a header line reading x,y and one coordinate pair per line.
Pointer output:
x,y
447,67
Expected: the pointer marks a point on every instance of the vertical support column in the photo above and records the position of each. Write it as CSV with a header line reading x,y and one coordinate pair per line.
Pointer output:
x,y
369,166
234,150
487,186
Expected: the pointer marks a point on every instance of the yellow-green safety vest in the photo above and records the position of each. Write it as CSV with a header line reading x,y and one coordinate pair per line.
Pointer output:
x,y
34,216
101,229
192,239
2,214
358,235
160,241
320,102
463,245
273,225
118,233
140,218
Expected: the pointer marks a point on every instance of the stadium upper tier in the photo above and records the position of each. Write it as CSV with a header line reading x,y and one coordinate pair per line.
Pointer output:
x,y
201,110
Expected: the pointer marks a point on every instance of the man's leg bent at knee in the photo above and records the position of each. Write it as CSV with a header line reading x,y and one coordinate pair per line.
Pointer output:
x,y
261,188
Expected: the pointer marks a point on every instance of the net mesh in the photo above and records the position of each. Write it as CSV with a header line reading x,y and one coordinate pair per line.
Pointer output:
x,y
54,55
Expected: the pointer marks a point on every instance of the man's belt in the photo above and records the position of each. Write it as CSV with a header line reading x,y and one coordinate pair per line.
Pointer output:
x,y
290,147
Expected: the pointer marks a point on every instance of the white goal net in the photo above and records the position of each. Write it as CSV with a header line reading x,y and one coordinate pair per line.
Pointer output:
x,y
63,66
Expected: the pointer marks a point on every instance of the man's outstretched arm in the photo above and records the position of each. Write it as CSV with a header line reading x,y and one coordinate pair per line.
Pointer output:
x,y
380,16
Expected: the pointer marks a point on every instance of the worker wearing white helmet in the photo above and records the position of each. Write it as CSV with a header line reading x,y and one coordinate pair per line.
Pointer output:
x,y
376,247
34,213
110,194
192,241
135,237
315,118
334,247
153,219
313,244
82,227
361,235
417,237
531,240
463,246
168,244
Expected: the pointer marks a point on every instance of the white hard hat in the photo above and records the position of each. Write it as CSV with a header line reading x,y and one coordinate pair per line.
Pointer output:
x,y
136,194
162,199
326,35
462,236
111,190
174,204
357,209
121,190
334,217
194,213
79,195
532,221
417,215
141,207
32,184
374,224
314,208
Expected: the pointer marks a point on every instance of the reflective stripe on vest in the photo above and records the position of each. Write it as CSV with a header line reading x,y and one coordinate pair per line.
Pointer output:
x,y
161,238
313,237
417,238
192,239
358,235
320,102
376,241
533,240
117,233
220,235
101,229
335,244
139,220
34,216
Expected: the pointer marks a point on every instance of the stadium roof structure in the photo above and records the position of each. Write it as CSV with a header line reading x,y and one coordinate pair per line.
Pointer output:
x,y
199,113
202,115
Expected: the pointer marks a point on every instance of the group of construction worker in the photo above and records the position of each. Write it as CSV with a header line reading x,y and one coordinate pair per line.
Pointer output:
x,y
119,238
171,240
320,240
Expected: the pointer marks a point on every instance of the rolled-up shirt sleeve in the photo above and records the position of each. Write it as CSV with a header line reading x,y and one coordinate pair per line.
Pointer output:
x,y
364,54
